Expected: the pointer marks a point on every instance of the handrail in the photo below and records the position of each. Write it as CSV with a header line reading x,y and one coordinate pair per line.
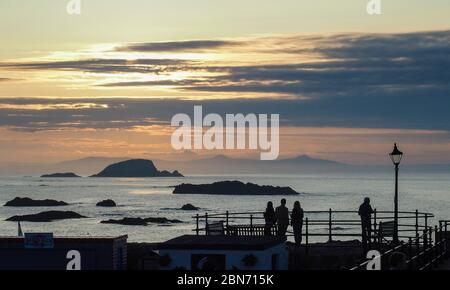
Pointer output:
x,y
321,223
421,214
422,252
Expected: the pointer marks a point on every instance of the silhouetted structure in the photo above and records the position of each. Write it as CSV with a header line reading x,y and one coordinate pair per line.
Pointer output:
x,y
96,253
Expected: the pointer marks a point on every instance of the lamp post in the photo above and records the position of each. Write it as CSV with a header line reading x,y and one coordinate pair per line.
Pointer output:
x,y
396,157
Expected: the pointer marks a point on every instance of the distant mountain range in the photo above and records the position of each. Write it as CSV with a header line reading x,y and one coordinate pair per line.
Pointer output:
x,y
219,164
225,165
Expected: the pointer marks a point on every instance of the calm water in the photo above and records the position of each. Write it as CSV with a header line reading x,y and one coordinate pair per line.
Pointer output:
x,y
152,198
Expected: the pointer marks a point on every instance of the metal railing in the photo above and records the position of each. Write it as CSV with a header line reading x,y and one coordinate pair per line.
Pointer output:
x,y
318,224
421,252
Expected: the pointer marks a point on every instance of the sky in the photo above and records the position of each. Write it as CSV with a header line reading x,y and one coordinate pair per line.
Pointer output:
x,y
346,84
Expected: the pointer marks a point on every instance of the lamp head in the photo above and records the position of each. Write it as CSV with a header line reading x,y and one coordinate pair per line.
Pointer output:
x,y
396,155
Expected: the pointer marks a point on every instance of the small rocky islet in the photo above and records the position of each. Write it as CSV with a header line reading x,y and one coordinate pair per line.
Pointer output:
x,y
28,202
141,221
60,175
46,216
189,207
233,188
106,203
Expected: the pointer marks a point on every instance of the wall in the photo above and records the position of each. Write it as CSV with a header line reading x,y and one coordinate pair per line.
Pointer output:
x,y
182,258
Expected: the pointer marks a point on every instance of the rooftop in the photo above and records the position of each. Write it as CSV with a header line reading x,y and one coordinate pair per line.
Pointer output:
x,y
222,242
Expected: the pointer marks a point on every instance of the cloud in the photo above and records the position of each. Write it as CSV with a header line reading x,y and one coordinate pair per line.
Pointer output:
x,y
126,113
179,46
6,79
346,80
105,65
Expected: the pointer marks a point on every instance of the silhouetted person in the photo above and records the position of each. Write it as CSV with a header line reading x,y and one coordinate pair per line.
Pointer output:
x,y
270,219
365,212
297,222
282,214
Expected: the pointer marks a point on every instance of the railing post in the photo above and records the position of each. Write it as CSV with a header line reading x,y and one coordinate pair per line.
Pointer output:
x,y
307,234
440,248
197,230
330,238
446,241
206,223
426,220
417,222
430,250
410,254
417,253
227,221
441,239
425,247
251,225
374,224
436,245
430,236
425,239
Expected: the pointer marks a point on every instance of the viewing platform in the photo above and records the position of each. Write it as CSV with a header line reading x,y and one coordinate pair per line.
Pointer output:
x,y
336,235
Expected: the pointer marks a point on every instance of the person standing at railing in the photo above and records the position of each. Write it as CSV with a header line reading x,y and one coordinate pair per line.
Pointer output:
x,y
282,215
297,222
365,212
270,219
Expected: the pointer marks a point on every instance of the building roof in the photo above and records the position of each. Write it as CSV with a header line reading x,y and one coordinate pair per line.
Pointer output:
x,y
222,242
70,239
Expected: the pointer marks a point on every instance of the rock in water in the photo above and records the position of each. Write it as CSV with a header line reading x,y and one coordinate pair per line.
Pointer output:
x,y
135,168
25,201
127,222
140,221
107,203
46,216
189,207
233,188
60,175
162,220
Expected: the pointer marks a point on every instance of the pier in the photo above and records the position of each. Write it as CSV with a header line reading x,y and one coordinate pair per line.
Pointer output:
x,y
337,233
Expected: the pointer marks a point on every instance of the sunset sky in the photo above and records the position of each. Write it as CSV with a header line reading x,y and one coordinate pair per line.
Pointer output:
x,y
107,82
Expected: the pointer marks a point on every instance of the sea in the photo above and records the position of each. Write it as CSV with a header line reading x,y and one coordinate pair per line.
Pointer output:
x,y
152,197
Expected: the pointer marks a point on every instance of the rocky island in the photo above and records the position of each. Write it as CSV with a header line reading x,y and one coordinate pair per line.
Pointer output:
x,y
232,188
140,221
189,207
106,203
28,202
135,168
60,175
46,216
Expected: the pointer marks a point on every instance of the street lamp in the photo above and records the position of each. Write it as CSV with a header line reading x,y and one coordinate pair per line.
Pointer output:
x,y
396,157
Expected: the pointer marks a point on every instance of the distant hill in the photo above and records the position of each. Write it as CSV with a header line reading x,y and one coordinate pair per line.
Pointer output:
x,y
225,165
135,168
191,163
88,165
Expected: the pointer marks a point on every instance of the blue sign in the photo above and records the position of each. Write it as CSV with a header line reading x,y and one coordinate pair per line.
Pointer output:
x,y
39,241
